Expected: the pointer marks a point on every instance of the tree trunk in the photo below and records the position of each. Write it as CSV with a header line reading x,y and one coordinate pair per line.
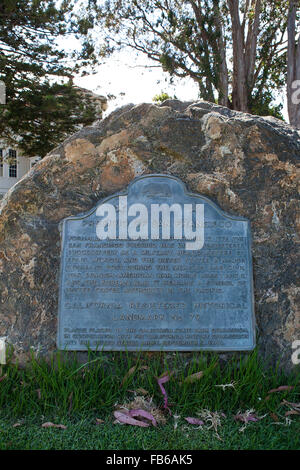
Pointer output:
x,y
223,69
251,43
239,79
206,85
293,67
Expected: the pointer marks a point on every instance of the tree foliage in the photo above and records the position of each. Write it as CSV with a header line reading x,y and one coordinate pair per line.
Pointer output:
x,y
41,108
235,50
162,96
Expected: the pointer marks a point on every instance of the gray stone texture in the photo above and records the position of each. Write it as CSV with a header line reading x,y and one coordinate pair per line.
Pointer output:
x,y
248,165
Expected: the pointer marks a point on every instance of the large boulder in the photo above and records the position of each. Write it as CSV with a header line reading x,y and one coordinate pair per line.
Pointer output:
x,y
246,164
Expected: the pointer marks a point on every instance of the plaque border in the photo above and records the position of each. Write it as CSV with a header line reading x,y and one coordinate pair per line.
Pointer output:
x,y
83,215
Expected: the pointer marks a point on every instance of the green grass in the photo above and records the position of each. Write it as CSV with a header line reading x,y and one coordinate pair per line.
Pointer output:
x,y
84,434
75,395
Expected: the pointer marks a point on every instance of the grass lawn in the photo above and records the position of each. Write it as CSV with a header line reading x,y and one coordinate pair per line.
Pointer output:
x,y
83,433
238,402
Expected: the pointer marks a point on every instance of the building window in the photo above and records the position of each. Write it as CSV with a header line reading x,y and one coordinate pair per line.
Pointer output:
x,y
12,158
1,162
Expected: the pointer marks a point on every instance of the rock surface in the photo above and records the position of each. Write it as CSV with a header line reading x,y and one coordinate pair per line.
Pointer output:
x,y
247,164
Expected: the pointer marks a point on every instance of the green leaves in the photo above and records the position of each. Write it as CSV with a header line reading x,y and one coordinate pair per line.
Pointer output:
x,y
195,39
43,114
40,112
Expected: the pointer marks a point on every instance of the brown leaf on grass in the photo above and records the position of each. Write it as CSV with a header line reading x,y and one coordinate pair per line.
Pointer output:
x,y
16,425
194,377
132,370
292,412
99,421
52,425
125,418
142,391
246,417
143,414
196,421
145,404
282,388
38,391
129,373
296,406
3,377
274,417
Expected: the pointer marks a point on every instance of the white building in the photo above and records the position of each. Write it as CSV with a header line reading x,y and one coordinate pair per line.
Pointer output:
x,y
13,166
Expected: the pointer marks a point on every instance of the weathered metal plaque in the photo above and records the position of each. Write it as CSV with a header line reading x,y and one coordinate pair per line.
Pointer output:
x,y
156,268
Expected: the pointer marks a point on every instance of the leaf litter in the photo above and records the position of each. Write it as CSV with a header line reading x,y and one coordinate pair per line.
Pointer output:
x,y
282,388
52,425
194,377
213,419
144,413
195,421
249,416
141,412
294,408
131,371
224,386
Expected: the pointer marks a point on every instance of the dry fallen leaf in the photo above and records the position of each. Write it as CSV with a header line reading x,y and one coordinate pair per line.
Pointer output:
x,y
193,377
295,406
143,414
125,418
132,370
246,418
274,417
52,425
144,404
99,421
129,373
162,380
292,412
196,421
282,388
142,391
